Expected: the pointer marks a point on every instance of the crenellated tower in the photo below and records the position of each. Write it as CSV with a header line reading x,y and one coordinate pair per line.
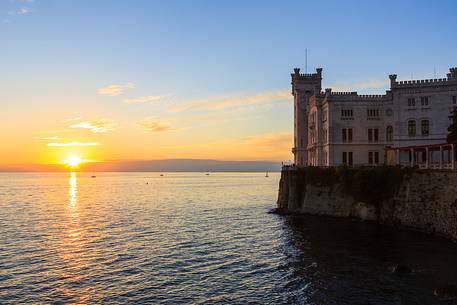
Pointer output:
x,y
303,87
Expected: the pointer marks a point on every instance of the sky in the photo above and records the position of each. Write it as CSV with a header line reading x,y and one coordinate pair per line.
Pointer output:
x,y
140,80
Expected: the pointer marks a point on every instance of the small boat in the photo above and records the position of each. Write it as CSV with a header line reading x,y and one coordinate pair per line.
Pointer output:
x,y
93,176
161,175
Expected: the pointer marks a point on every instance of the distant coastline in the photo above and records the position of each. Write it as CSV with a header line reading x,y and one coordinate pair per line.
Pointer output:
x,y
166,165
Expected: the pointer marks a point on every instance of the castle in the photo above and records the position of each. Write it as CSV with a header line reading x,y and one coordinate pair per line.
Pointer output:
x,y
405,126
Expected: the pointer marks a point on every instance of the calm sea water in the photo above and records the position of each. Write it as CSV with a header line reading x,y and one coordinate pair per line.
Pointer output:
x,y
192,238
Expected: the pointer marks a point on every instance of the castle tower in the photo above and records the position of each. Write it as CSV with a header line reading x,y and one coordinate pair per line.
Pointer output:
x,y
303,87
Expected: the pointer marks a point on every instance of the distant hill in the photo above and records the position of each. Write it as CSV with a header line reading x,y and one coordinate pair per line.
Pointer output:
x,y
169,165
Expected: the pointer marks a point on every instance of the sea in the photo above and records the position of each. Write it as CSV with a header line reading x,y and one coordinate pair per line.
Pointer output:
x,y
198,238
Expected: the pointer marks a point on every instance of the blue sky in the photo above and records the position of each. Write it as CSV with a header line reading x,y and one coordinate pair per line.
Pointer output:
x,y
57,54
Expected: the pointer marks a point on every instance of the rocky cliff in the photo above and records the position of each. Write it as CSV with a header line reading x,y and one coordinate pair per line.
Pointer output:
x,y
421,200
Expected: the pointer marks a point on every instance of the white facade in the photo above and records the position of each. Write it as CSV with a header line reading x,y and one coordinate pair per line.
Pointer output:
x,y
332,128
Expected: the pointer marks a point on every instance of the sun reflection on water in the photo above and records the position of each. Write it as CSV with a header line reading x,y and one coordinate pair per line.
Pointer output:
x,y
73,190
72,247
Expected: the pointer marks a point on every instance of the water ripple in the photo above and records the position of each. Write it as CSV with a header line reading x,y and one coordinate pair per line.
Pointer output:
x,y
189,238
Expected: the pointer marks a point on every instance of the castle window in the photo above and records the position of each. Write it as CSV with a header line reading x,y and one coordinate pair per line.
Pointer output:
x,y
411,102
411,128
389,133
324,115
347,134
373,113
373,135
346,114
454,100
424,100
373,157
347,158
425,127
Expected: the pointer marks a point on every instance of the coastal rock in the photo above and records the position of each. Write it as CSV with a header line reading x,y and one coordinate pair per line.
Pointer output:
x,y
447,292
363,211
401,269
414,199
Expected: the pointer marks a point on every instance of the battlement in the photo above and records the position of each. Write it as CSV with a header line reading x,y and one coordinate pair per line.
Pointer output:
x,y
452,75
352,95
422,81
309,82
451,78
371,96
307,76
343,93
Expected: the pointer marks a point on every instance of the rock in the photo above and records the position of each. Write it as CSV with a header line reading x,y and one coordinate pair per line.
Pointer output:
x,y
447,292
283,211
401,269
454,204
280,211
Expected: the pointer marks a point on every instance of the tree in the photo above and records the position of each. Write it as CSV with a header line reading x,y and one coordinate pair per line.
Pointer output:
x,y
452,135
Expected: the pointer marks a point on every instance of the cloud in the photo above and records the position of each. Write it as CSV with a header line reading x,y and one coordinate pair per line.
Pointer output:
x,y
46,138
143,99
96,126
74,144
152,125
373,84
241,101
114,90
23,11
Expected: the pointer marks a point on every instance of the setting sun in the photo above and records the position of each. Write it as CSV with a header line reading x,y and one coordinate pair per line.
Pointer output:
x,y
73,161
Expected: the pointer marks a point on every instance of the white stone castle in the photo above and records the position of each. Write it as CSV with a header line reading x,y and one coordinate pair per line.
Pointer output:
x,y
405,126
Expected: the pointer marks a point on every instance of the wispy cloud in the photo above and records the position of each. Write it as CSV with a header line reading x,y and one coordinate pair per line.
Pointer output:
x,y
233,102
74,144
96,126
114,90
369,85
23,10
152,125
143,99
46,138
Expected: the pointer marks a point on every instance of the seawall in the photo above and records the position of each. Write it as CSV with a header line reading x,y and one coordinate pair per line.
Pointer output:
x,y
417,199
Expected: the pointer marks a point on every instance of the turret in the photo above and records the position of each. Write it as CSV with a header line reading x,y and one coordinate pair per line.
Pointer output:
x,y
393,80
303,87
452,75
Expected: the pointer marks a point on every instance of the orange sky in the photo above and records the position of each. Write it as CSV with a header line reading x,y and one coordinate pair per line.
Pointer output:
x,y
160,80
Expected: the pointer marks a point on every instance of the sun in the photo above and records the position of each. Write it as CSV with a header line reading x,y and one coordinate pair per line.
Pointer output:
x,y
73,161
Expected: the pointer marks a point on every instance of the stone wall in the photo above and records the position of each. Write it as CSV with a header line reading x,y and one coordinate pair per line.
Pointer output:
x,y
423,200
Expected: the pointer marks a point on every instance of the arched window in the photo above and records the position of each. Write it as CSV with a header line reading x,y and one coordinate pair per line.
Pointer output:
x,y
411,128
425,127
389,133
